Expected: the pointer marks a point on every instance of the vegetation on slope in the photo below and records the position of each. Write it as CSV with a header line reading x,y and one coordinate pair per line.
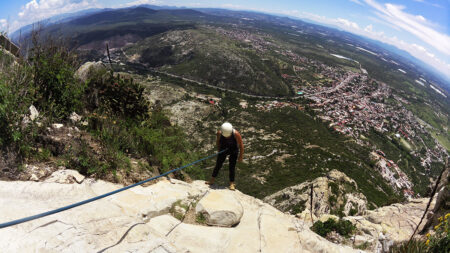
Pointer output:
x,y
121,125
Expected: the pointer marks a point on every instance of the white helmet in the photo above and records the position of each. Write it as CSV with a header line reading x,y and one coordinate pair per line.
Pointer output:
x,y
226,129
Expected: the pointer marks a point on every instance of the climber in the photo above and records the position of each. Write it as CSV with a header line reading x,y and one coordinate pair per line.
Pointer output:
x,y
229,139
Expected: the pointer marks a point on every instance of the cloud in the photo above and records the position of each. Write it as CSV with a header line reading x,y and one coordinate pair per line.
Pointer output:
x,y
348,23
231,6
416,50
140,2
340,22
356,2
36,10
427,3
3,24
415,25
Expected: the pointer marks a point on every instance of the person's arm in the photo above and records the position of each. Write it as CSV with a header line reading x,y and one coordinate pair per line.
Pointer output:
x,y
218,140
240,144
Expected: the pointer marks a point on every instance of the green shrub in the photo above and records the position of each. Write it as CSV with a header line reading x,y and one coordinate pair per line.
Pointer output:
x,y
174,212
16,95
332,200
200,218
298,208
116,95
342,227
154,139
363,246
440,241
83,159
53,65
415,246
334,188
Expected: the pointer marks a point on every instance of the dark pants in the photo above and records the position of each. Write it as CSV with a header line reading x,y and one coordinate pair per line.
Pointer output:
x,y
232,159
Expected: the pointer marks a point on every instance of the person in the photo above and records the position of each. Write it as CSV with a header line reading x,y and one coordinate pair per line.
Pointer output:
x,y
231,140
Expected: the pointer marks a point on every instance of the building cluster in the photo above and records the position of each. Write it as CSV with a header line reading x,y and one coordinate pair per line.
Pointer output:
x,y
270,105
390,172
354,104
208,99
357,104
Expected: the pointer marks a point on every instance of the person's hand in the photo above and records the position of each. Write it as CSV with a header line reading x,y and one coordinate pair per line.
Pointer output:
x,y
240,159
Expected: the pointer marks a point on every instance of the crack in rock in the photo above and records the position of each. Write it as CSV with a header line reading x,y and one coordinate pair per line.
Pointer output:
x,y
48,224
122,238
259,228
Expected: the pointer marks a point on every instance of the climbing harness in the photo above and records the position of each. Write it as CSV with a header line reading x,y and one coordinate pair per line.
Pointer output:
x,y
37,216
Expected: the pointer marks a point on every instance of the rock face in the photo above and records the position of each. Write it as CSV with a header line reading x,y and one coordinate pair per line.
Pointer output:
x,y
389,224
138,220
220,208
442,206
331,194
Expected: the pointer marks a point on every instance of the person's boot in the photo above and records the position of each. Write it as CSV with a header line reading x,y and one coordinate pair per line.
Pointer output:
x,y
211,181
232,186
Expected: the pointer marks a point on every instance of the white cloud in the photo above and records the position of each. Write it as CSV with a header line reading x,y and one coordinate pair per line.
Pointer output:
x,y
340,22
140,2
36,10
3,24
356,2
348,23
415,25
418,51
231,6
432,4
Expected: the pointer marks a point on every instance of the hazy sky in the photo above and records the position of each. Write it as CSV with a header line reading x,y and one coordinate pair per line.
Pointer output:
x,y
420,27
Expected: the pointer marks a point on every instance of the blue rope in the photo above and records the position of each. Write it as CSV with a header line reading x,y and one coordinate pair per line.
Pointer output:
x,y
37,216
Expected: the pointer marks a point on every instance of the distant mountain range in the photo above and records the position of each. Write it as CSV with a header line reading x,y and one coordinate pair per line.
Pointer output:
x,y
109,15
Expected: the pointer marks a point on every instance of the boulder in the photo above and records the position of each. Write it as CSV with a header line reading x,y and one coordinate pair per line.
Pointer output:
x,y
65,177
83,72
326,217
220,208
33,113
74,117
57,125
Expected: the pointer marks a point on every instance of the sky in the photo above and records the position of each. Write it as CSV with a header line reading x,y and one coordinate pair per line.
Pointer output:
x,y
420,27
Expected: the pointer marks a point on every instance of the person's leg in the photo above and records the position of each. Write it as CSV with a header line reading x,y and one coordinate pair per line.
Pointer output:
x,y
219,162
232,159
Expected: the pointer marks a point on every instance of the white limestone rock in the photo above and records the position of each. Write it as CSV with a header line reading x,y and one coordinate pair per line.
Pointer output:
x,y
74,117
83,71
220,208
117,223
33,113
65,177
57,125
297,199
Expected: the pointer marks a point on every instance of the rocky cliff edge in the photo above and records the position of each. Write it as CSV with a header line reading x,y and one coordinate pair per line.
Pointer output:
x,y
142,219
